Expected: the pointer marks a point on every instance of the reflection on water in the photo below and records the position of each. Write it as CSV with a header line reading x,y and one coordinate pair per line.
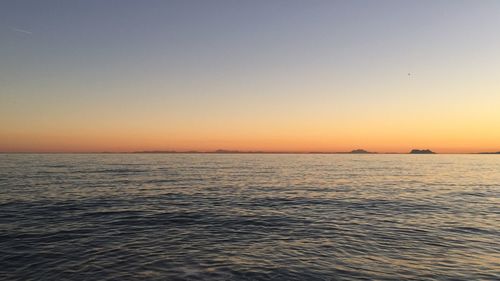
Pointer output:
x,y
249,217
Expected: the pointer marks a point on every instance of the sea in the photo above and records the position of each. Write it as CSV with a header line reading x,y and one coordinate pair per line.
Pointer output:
x,y
249,217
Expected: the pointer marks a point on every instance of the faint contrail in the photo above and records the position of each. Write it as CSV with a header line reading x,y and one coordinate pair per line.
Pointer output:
x,y
21,30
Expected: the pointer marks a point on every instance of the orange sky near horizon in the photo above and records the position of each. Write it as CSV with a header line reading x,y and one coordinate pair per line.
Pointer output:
x,y
289,117
299,136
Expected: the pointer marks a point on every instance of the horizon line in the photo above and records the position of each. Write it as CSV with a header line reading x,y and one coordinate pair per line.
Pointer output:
x,y
224,151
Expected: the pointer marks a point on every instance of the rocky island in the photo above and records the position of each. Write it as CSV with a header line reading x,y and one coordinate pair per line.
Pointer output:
x,y
360,151
422,151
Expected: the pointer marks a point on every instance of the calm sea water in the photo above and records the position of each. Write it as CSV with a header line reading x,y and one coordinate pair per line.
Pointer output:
x,y
249,217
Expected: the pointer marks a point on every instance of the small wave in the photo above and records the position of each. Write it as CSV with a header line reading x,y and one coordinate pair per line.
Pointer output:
x,y
160,181
114,171
205,217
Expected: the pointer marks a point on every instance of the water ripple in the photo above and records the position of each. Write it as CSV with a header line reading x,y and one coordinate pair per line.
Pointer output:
x,y
249,217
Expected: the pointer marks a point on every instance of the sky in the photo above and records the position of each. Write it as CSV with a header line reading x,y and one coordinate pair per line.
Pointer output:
x,y
120,75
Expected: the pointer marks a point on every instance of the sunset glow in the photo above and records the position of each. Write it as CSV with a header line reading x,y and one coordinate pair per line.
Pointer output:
x,y
271,76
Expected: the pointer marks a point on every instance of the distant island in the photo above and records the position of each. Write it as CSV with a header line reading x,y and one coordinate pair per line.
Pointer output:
x,y
228,151
157,151
233,151
422,151
361,151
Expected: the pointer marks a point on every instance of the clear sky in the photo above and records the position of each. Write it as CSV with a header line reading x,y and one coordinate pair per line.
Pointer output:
x,y
103,75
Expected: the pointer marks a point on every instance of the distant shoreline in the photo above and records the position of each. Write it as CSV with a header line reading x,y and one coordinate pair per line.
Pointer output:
x,y
251,152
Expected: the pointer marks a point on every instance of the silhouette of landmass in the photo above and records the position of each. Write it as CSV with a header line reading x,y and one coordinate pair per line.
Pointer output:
x,y
165,151
361,151
226,151
223,151
229,151
422,151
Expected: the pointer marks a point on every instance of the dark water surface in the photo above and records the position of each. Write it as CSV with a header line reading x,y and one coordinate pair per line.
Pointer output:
x,y
249,217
